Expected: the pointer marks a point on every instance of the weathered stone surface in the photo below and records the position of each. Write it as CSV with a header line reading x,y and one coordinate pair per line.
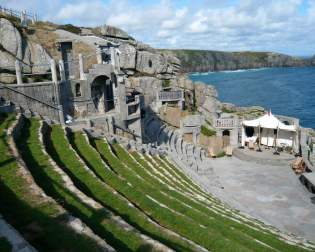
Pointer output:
x,y
10,38
128,56
150,63
39,56
111,31
184,82
148,86
15,47
7,78
203,91
7,61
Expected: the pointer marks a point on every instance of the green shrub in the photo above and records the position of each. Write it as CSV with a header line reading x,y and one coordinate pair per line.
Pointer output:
x,y
166,83
207,132
227,110
70,28
221,154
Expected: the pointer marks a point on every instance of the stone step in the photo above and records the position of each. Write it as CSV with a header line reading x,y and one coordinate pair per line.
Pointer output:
x,y
18,243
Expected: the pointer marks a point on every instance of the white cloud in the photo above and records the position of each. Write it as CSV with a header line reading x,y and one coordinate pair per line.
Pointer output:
x,y
175,22
276,25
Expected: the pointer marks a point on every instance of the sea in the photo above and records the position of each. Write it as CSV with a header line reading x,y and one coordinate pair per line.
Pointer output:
x,y
285,91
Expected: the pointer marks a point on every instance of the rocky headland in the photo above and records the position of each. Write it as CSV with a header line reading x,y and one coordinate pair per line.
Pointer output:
x,y
205,61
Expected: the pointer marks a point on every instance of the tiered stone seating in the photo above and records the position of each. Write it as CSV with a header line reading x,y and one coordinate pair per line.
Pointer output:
x,y
139,202
39,219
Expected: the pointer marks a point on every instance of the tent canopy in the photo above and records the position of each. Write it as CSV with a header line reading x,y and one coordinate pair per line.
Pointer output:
x,y
269,121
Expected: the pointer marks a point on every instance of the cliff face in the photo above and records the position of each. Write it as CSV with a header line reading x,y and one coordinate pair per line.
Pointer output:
x,y
204,61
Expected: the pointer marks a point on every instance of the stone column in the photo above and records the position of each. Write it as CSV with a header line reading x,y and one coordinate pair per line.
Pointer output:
x,y
99,55
112,56
62,70
57,90
18,72
81,67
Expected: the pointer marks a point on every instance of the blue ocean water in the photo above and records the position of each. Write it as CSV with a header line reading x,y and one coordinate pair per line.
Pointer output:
x,y
286,91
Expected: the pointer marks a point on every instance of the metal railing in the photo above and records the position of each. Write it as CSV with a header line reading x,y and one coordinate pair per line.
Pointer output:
x,y
24,16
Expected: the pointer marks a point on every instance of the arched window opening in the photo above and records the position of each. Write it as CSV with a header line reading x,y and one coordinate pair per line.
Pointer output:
x,y
102,94
78,90
150,63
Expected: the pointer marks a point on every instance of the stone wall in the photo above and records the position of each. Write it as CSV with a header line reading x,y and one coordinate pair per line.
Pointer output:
x,y
37,97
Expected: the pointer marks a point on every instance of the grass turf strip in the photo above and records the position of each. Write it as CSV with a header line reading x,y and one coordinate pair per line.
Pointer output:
x,y
97,219
83,179
38,221
228,228
115,163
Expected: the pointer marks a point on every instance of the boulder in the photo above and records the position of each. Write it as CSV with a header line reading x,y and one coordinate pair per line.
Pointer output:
x,y
10,38
148,86
111,31
128,56
202,91
7,61
185,83
150,63
39,58
7,78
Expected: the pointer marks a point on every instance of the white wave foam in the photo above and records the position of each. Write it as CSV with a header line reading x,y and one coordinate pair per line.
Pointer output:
x,y
230,71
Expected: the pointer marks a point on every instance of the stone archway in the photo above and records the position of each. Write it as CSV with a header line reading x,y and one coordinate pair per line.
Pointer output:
x,y
102,94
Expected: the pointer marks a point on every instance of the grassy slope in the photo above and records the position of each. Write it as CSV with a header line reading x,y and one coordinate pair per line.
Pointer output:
x,y
39,222
52,183
96,189
92,159
220,224
210,244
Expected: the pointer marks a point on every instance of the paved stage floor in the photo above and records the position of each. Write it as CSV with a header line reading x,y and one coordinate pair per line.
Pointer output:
x,y
267,192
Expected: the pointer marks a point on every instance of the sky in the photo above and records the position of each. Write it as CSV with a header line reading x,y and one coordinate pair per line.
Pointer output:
x,y
285,26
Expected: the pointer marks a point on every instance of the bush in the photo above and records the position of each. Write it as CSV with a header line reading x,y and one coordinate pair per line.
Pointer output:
x,y
166,83
227,110
221,154
207,132
70,28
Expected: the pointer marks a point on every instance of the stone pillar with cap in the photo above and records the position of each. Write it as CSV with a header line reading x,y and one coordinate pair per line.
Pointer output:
x,y
18,72
57,90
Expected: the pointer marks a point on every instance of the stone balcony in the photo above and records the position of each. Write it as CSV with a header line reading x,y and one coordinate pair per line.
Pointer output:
x,y
226,123
133,108
174,95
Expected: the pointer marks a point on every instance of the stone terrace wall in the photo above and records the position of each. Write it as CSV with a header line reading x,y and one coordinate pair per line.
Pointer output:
x,y
37,97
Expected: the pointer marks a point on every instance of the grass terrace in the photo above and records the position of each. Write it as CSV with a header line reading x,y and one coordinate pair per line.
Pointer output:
x,y
98,220
142,201
41,222
214,225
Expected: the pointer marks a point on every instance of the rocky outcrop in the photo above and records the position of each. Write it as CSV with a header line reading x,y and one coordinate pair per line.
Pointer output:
x,y
10,39
16,46
113,32
145,85
205,61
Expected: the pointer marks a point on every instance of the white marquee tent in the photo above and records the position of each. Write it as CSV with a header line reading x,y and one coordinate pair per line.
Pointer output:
x,y
269,131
